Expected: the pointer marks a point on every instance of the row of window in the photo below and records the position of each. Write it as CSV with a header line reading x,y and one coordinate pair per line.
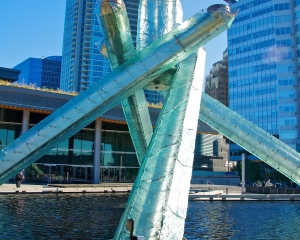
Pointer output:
x,y
287,94
245,38
255,46
287,108
270,55
243,28
286,82
254,80
287,121
250,93
285,68
254,14
252,4
252,69
282,7
255,115
282,18
283,31
258,34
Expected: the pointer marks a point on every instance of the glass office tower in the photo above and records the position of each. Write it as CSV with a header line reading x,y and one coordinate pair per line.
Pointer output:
x,y
82,64
41,72
263,67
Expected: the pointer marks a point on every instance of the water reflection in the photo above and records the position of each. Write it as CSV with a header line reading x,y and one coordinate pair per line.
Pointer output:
x,y
96,216
243,220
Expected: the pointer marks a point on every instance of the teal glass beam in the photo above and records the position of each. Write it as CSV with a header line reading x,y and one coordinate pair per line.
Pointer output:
x,y
156,18
159,198
250,137
120,48
124,81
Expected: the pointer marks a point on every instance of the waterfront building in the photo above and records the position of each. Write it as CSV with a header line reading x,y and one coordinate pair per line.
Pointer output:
x,y
41,72
263,67
73,160
9,75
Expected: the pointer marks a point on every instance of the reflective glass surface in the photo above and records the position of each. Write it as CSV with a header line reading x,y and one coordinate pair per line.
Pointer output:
x,y
262,69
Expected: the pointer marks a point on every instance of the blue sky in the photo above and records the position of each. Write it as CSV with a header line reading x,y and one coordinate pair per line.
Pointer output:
x,y
34,28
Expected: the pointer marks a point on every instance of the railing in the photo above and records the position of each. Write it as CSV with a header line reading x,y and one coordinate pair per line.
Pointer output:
x,y
280,185
209,182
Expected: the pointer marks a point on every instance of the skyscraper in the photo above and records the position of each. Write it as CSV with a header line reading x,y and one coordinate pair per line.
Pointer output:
x,y
82,64
263,67
216,83
216,86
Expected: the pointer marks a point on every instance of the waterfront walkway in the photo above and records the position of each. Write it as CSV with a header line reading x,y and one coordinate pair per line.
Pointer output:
x,y
99,188
198,192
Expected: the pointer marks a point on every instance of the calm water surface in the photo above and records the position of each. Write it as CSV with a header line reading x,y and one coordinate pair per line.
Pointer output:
x,y
95,216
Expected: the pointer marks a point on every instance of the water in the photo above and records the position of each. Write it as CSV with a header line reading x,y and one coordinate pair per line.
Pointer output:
x,y
95,216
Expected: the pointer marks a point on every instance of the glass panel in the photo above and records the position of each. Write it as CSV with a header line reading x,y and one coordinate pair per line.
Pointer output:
x,y
3,133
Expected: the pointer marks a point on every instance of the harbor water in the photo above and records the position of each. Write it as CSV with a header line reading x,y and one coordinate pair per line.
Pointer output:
x,y
95,216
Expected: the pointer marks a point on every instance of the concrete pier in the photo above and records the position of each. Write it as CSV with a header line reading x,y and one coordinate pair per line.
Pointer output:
x,y
198,192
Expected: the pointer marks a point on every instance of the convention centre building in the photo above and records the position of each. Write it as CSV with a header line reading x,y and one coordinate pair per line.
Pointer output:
x,y
73,160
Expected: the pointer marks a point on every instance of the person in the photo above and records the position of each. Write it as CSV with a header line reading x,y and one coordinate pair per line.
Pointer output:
x,y
258,184
269,184
19,178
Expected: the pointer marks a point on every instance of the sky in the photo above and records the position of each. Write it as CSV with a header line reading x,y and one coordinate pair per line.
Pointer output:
x,y
34,28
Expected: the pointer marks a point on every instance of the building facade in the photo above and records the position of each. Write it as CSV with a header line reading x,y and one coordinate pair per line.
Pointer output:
x,y
41,72
263,65
216,86
9,75
216,83
82,63
73,160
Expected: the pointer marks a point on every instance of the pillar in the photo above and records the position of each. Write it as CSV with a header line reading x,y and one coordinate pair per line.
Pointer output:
x,y
97,151
25,121
2,111
243,172
25,127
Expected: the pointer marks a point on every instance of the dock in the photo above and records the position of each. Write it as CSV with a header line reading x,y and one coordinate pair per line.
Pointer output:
x,y
198,192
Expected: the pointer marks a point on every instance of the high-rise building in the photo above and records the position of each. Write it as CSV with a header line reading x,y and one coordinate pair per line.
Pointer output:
x,y
132,7
216,86
263,68
41,72
82,63
216,83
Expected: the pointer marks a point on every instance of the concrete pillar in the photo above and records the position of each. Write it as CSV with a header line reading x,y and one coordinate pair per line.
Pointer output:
x,y
120,170
25,121
243,173
2,114
97,151
25,127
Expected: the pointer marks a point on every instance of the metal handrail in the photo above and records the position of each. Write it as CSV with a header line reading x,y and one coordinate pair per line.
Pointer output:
x,y
280,184
209,182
